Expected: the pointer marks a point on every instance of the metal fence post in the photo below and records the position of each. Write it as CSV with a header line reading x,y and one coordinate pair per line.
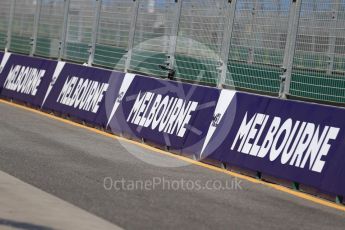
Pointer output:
x,y
64,29
333,36
10,24
294,16
226,43
131,34
252,44
95,32
313,26
35,29
174,34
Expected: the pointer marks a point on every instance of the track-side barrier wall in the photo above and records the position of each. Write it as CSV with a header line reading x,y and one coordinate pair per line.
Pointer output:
x,y
295,141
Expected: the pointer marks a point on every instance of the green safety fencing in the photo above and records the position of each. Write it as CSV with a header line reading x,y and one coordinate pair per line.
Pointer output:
x,y
3,37
253,77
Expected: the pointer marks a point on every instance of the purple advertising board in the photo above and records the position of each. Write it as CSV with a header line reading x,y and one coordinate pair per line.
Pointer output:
x,y
296,141
165,112
3,60
79,91
2,65
1,56
24,78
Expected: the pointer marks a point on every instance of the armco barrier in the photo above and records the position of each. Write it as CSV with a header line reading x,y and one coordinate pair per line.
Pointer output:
x,y
296,141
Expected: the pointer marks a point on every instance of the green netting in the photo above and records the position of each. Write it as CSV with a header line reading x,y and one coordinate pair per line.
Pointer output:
x,y
22,26
2,41
199,71
113,34
318,86
109,56
256,51
255,77
77,52
20,44
148,63
257,46
43,47
319,61
339,64
49,30
5,9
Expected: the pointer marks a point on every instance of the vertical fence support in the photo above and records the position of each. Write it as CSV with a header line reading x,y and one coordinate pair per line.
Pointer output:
x,y
252,44
94,32
35,29
333,36
131,34
226,43
294,16
64,29
10,24
313,26
174,34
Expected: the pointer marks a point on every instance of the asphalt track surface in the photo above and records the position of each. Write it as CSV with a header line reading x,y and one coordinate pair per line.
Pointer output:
x,y
71,163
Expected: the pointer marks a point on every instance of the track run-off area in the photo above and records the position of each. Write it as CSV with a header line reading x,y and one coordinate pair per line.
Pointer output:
x,y
57,174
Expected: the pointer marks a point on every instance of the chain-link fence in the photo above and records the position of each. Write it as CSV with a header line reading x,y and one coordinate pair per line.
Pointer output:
x,y
199,42
319,61
258,43
154,27
22,27
278,47
49,33
79,30
113,33
5,11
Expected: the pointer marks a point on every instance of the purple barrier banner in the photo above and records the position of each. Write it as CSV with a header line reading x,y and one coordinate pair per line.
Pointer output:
x,y
79,91
1,56
297,141
24,78
165,112
3,61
